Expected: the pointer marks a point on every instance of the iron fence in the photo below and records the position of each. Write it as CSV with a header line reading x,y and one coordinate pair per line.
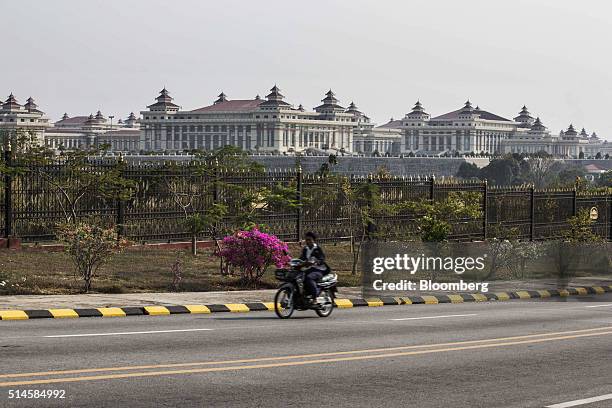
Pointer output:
x,y
31,205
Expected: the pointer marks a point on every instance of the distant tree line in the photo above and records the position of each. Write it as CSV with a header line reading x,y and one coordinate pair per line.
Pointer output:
x,y
541,170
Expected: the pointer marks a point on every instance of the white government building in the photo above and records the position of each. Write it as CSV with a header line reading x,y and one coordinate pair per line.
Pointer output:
x,y
276,126
265,125
474,130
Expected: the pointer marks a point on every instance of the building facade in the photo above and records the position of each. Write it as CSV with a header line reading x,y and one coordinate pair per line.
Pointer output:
x,y
472,130
84,132
273,125
267,125
28,117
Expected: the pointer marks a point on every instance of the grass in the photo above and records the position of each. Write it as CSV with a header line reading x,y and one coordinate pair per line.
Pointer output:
x,y
38,272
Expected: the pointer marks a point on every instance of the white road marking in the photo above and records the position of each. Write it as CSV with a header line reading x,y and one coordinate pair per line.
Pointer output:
x,y
124,333
600,305
435,317
581,402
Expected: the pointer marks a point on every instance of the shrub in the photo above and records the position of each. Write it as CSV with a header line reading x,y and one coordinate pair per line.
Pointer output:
x,y
89,247
252,252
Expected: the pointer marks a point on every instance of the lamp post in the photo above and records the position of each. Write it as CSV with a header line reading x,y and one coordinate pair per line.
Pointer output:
x,y
111,117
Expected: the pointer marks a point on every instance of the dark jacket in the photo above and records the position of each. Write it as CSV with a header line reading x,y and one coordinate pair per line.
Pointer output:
x,y
319,256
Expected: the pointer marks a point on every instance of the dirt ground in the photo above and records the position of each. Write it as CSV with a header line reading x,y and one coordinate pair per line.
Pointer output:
x,y
139,270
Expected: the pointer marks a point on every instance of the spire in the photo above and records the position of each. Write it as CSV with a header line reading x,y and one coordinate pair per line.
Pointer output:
x,y
11,103
594,136
301,108
164,96
330,98
222,98
30,104
468,107
584,133
418,111
257,97
164,102
538,125
65,116
275,94
524,118
353,109
571,131
418,107
99,116
330,104
132,116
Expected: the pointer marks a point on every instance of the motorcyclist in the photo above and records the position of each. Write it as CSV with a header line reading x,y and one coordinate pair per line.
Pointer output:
x,y
313,264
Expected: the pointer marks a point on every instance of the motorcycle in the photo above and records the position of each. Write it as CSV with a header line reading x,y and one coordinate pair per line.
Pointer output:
x,y
291,295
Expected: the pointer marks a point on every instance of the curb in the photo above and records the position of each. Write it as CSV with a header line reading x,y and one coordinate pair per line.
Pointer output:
x,y
267,306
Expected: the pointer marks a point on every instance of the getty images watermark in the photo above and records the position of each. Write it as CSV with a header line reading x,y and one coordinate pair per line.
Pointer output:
x,y
394,268
428,264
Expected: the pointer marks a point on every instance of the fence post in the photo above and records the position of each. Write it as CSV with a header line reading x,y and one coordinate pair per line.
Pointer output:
x,y
531,212
485,211
432,187
8,196
574,202
216,178
120,206
298,197
610,217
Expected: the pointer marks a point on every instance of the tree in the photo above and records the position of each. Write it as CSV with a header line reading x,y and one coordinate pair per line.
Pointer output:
x,y
539,170
89,247
509,252
327,166
468,171
505,171
72,176
435,218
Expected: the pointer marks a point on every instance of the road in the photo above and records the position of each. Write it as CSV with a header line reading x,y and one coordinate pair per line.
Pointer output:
x,y
506,354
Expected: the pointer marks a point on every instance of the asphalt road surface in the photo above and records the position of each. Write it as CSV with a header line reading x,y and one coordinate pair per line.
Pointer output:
x,y
506,354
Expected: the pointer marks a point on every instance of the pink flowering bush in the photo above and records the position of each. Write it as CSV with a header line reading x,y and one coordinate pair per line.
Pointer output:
x,y
252,252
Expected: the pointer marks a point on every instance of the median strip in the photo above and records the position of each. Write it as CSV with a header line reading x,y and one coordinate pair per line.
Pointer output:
x,y
157,310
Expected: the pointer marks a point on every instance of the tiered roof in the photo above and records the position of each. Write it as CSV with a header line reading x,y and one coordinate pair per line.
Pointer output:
x,y
330,103
275,99
11,104
164,100
221,98
31,105
538,126
418,111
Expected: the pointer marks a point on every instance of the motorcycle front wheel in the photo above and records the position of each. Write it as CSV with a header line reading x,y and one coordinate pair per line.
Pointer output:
x,y
327,306
284,302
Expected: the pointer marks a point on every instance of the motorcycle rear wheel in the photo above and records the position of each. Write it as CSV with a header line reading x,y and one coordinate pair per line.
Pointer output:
x,y
284,301
328,307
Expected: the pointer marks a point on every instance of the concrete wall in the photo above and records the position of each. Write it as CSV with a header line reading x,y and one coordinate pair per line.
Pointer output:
x,y
407,166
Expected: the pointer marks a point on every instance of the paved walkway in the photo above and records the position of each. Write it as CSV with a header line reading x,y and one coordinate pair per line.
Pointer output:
x,y
95,300
143,299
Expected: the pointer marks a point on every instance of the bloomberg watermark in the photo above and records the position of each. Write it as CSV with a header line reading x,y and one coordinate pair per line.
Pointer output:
x,y
405,268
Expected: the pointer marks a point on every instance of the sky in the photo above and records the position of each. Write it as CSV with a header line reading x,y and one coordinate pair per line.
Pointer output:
x,y
79,56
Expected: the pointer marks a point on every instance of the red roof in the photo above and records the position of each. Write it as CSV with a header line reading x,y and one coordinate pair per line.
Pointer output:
x,y
483,115
592,168
72,121
237,105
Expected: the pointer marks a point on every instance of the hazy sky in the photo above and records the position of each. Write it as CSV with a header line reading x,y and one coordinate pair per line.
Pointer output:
x,y
80,56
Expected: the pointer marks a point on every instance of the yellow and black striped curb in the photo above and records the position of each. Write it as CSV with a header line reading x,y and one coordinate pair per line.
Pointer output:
x,y
263,306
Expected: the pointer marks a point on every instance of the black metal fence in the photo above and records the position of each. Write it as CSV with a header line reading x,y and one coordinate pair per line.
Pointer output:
x,y
31,205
